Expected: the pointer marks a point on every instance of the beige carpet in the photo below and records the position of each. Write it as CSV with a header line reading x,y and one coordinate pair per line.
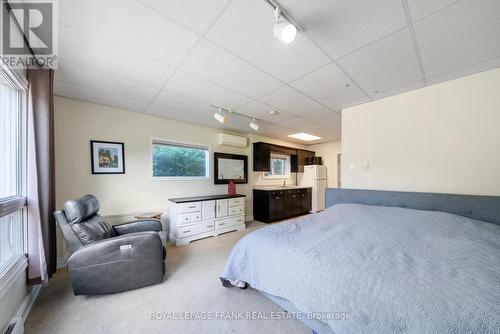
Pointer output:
x,y
191,285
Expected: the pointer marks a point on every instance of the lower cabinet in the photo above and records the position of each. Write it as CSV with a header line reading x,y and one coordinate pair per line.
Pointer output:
x,y
204,217
272,205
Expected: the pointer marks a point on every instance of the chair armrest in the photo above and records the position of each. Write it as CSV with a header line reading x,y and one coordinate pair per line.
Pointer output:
x,y
130,247
138,226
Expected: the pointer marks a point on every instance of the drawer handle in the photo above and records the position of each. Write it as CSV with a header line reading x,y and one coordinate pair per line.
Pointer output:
x,y
222,224
210,226
187,231
192,206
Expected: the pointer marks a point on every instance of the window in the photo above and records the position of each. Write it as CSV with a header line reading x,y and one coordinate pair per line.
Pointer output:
x,y
12,171
179,160
280,167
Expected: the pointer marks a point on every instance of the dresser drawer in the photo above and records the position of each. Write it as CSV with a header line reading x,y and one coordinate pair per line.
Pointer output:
x,y
230,222
185,219
236,210
196,229
189,218
236,201
190,207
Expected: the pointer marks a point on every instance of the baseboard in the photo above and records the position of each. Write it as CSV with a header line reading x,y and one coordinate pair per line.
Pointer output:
x,y
18,320
25,308
61,262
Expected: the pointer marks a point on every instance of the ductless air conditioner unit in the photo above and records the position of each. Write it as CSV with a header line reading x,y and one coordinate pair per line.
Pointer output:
x,y
232,140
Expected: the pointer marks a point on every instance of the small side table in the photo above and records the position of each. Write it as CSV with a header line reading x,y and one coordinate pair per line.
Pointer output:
x,y
149,215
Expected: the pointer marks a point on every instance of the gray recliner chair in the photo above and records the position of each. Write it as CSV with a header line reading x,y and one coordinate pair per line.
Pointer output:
x,y
110,259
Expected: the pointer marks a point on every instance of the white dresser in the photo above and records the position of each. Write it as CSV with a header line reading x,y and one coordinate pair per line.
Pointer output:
x,y
193,218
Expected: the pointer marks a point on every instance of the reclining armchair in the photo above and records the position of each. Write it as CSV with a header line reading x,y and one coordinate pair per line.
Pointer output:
x,y
109,259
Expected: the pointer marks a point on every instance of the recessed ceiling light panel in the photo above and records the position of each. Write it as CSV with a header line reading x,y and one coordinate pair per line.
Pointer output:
x,y
304,136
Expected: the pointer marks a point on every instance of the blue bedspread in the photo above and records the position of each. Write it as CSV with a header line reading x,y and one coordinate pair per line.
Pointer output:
x,y
393,270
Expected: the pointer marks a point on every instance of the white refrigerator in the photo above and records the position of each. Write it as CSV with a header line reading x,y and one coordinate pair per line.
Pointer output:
x,y
315,177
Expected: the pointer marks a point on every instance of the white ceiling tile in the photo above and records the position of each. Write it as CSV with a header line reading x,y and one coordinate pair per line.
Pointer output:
x,y
352,103
85,50
329,133
300,124
130,24
202,90
195,14
329,85
276,131
422,8
262,111
397,90
83,76
476,68
178,102
229,127
251,24
183,116
95,96
278,118
462,35
290,100
344,26
390,62
323,118
216,65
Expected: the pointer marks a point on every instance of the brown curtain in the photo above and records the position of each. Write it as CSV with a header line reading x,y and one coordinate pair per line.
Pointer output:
x,y
41,179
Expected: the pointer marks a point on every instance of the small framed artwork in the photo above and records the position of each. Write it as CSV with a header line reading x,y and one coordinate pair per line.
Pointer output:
x,y
107,157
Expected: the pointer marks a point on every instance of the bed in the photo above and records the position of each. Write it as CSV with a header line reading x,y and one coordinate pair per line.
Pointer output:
x,y
381,262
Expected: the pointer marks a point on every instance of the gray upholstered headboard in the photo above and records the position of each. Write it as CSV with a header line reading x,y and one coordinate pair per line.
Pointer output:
x,y
485,208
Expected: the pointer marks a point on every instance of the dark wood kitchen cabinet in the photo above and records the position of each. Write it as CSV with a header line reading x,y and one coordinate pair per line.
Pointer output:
x,y
302,157
261,157
278,204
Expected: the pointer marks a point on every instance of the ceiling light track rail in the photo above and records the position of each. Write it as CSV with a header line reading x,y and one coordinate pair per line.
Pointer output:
x,y
275,5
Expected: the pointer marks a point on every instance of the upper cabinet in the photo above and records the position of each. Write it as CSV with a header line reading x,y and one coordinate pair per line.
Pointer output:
x,y
262,157
303,157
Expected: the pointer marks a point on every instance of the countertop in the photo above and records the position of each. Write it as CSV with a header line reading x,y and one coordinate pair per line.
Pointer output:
x,y
203,198
277,187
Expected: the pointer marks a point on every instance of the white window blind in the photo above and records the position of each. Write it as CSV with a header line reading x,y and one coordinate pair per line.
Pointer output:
x,y
12,173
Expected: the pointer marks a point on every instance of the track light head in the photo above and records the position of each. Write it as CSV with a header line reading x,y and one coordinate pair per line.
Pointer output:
x,y
283,30
253,125
220,117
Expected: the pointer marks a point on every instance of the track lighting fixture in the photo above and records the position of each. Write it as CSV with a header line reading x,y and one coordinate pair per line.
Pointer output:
x,y
253,125
283,30
220,117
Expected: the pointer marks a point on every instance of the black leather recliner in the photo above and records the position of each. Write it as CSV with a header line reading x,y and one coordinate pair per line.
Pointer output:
x,y
110,259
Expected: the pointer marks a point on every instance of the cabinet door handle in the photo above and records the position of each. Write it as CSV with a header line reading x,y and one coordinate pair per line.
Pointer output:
x,y
187,231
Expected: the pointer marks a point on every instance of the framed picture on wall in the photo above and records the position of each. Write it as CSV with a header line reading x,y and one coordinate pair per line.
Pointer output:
x,y
107,157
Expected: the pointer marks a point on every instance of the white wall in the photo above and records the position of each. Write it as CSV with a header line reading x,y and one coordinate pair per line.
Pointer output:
x,y
77,122
442,138
328,151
